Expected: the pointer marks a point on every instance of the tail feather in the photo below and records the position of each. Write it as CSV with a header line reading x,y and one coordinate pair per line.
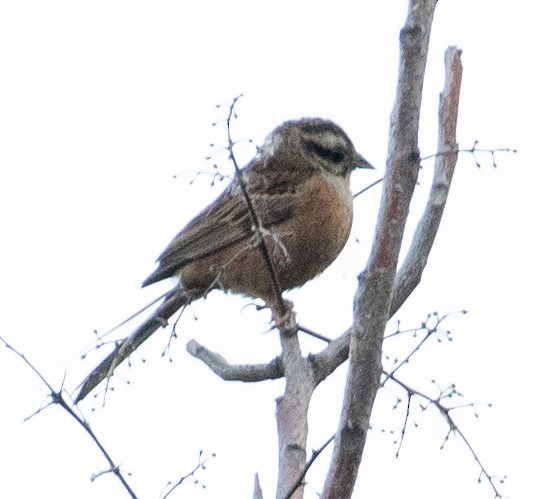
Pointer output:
x,y
173,302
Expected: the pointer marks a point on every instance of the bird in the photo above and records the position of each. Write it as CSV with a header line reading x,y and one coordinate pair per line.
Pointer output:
x,y
282,220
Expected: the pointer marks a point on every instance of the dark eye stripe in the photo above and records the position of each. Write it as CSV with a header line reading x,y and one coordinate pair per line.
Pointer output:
x,y
334,155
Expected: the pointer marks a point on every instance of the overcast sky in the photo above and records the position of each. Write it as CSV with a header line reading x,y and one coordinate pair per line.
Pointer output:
x,y
103,103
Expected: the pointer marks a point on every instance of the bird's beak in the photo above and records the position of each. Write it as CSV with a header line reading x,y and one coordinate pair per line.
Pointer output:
x,y
363,163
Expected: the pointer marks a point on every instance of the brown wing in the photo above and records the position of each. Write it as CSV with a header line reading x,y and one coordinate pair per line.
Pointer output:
x,y
223,223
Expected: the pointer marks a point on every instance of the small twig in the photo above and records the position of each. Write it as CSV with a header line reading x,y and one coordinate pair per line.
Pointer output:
x,y
216,175
430,331
407,414
446,414
314,455
173,334
58,399
258,228
309,332
191,474
473,150
360,192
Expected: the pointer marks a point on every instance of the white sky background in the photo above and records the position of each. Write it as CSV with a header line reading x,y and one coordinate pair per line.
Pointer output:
x,y
101,103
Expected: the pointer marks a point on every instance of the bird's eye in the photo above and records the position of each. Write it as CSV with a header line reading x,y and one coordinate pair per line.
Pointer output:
x,y
334,155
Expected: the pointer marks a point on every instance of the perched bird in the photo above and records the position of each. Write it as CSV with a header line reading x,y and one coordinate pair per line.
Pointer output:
x,y
294,196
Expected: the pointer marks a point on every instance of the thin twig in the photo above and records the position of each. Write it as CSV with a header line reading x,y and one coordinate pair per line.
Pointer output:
x,y
430,331
374,294
314,455
309,332
257,224
58,399
453,427
191,474
473,150
360,192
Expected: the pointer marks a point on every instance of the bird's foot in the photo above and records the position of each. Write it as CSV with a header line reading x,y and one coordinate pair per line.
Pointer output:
x,y
285,320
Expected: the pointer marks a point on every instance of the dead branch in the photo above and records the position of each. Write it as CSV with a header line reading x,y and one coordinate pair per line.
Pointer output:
x,y
236,372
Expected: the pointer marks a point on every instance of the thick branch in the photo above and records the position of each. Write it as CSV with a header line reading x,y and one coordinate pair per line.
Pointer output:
x,y
328,359
411,270
235,372
291,408
373,297
291,417
410,273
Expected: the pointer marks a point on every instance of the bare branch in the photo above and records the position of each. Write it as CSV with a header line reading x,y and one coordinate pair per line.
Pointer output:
x,y
411,270
235,372
446,414
257,224
314,455
473,150
410,273
373,298
292,406
200,465
368,187
323,361
429,331
58,399
291,416
327,360
314,334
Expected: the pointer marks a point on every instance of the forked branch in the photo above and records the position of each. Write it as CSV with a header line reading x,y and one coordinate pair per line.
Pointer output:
x,y
57,398
410,272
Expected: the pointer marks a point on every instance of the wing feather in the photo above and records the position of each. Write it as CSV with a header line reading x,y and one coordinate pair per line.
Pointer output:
x,y
223,223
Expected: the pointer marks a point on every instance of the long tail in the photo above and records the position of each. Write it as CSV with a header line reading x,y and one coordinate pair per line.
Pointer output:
x,y
173,302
